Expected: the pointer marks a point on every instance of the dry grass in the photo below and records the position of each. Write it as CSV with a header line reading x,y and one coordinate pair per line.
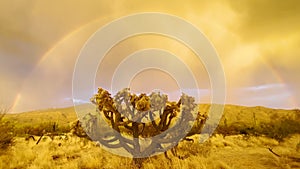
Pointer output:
x,y
233,152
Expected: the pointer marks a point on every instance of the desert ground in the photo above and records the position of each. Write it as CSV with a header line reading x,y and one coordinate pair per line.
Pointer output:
x,y
247,137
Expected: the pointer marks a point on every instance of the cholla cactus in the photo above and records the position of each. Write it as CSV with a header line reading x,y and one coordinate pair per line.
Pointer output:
x,y
158,101
165,123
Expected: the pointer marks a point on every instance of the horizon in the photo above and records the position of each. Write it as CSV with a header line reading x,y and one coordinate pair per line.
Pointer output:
x,y
68,107
202,103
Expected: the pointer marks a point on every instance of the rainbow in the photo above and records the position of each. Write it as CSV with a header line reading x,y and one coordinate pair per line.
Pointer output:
x,y
16,101
280,79
90,26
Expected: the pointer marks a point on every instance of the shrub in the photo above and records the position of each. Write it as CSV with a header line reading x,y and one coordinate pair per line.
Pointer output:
x,y
280,129
6,128
40,128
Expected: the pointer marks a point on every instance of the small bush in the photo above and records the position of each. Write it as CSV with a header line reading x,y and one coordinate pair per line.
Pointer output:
x,y
280,129
298,147
41,128
6,129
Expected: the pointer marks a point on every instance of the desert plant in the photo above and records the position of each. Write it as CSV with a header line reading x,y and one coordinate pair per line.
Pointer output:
x,y
298,147
6,128
38,129
226,130
133,117
280,129
52,129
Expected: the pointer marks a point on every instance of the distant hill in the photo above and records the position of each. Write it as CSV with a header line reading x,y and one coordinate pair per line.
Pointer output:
x,y
61,115
247,115
232,113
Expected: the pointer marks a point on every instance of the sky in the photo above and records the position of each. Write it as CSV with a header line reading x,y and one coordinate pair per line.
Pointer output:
x,y
257,42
